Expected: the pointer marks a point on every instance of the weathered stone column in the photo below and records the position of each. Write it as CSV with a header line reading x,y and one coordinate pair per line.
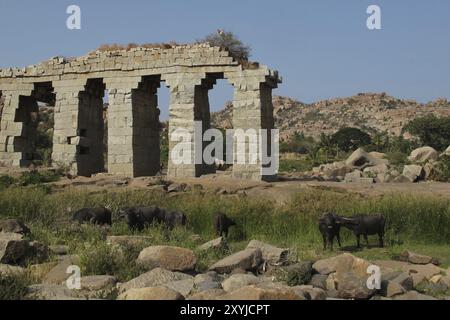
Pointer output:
x,y
79,126
252,111
133,127
17,128
185,109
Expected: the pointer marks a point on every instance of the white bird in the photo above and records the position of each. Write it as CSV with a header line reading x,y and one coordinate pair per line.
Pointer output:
x,y
220,32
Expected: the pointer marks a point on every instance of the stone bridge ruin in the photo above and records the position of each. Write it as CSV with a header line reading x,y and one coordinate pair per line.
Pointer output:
x,y
76,88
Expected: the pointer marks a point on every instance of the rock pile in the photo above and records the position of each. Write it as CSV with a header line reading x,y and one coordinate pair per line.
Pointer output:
x,y
259,272
364,167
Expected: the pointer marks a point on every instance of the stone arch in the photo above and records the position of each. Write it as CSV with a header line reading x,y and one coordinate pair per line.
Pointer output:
x,y
19,122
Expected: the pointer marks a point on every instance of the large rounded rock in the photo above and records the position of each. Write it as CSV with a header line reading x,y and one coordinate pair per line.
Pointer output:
x,y
416,258
13,249
248,260
341,264
184,287
352,286
58,274
270,254
419,273
13,226
208,281
95,283
414,172
390,289
155,278
156,293
263,291
169,258
423,154
237,281
361,158
211,294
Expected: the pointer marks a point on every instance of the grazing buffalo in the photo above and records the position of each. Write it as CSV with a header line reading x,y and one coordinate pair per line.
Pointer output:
x,y
330,228
222,224
365,225
139,218
174,219
99,216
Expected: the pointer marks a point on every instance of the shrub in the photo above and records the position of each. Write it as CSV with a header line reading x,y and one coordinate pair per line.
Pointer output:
x,y
6,181
441,171
13,287
231,42
431,131
35,177
350,139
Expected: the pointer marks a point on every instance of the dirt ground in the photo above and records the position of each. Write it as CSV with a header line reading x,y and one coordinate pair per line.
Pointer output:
x,y
280,192
222,183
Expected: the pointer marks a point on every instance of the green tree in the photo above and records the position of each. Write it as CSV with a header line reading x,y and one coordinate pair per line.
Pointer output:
x,y
349,139
431,131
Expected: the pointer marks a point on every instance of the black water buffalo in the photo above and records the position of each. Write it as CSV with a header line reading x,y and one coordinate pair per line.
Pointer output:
x,y
330,228
99,216
222,224
174,219
139,218
365,225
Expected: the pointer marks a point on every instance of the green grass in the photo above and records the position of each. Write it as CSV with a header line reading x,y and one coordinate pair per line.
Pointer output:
x,y
298,165
418,223
13,287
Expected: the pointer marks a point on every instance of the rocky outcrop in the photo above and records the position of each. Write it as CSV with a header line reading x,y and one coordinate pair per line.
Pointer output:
x,y
374,111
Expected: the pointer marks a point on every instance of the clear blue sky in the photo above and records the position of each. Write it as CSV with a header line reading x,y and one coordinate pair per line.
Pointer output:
x,y
322,48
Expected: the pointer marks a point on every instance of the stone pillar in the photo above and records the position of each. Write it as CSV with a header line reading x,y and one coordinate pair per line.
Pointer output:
x,y
79,126
203,114
185,109
252,110
133,127
18,126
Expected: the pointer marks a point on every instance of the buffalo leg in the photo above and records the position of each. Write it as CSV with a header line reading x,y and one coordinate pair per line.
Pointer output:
x,y
367,239
338,237
324,242
381,236
358,241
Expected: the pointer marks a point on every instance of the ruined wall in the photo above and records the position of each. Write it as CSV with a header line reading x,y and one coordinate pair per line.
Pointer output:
x,y
131,79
